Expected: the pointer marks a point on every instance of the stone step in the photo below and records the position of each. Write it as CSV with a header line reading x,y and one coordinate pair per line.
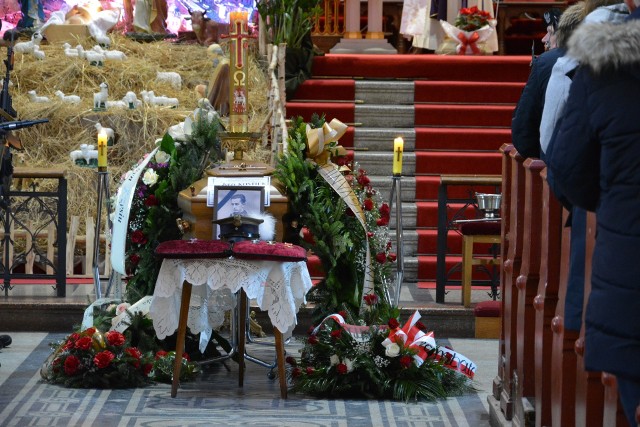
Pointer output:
x,y
385,92
376,139
385,116
383,185
381,162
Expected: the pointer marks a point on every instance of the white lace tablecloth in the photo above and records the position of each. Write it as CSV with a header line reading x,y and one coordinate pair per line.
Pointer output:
x,y
277,287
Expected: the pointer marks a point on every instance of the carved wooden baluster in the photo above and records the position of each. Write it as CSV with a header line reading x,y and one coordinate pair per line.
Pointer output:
x,y
511,271
589,389
546,300
613,412
563,355
527,288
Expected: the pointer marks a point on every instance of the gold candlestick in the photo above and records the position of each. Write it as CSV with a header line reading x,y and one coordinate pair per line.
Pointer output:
x,y
239,69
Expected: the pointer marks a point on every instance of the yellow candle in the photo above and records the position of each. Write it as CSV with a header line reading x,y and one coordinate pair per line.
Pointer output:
x,y
398,147
102,150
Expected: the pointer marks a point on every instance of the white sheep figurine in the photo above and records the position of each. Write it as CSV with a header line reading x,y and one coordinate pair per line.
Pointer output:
x,y
85,156
132,100
37,53
100,98
110,55
116,104
27,47
111,135
69,51
69,99
33,97
94,58
169,77
159,101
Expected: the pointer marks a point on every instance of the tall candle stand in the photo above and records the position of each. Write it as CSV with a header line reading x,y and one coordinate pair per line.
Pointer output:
x,y
396,191
103,191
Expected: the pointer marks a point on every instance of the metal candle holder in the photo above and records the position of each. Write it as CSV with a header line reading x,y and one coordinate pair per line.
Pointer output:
x,y
103,191
396,190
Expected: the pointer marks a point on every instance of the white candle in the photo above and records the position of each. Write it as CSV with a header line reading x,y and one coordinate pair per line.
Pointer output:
x,y
398,148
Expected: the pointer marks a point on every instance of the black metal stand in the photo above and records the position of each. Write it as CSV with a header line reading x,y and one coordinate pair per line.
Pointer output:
x,y
397,192
103,191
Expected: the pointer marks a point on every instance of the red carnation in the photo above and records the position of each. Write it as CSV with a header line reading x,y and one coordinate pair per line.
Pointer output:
x,y
405,361
138,237
381,257
393,323
160,353
384,210
336,334
363,180
313,340
382,221
135,353
151,201
71,365
186,357
84,343
368,204
392,257
148,367
341,368
114,338
103,359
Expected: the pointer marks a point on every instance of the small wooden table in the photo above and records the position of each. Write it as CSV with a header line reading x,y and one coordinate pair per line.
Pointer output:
x,y
204,288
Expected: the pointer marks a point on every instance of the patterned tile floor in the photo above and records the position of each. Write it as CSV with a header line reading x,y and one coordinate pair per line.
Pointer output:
x,y
215,399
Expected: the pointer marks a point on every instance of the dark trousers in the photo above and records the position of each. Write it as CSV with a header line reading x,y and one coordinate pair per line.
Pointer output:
x,y
629,392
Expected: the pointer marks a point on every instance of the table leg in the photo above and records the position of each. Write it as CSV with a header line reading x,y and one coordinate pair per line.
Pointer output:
x,y
282,375
182,331
242,333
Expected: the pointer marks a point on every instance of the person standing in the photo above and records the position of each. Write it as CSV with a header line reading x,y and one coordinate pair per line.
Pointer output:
x,y
594,156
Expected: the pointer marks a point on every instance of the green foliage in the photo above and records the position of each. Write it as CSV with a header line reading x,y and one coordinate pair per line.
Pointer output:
x,y
288,21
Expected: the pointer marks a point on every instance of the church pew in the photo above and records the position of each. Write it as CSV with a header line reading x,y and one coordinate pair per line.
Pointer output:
x,y
546,300
589,388
563,355
505,209
527,288
511,272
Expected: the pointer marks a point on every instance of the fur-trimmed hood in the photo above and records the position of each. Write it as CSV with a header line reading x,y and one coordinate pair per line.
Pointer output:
x,y
606,45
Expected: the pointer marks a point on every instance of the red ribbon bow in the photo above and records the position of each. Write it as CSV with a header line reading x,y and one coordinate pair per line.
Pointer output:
x,y
468,43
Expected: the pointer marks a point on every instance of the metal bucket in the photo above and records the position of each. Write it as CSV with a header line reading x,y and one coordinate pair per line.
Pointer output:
x,y
489,203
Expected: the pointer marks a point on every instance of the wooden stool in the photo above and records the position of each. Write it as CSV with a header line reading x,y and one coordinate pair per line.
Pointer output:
x,y
488,319
476,232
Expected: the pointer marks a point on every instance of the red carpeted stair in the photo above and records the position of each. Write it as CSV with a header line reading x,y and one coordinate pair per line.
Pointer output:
x,y
461,106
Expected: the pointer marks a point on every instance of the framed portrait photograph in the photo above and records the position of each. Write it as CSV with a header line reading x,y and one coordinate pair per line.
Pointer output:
x,y
230,201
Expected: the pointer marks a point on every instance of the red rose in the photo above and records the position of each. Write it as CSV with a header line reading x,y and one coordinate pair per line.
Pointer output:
x,y
363,180
392,257
88,332
381,257
186,357
84,343
291,361
138,237
296,372
368,204
382,221
160,353
405,361
371,299
135,353
148,367
310,370
313,340
68,345
71,365
341,368
134,259
336,334
151,201
114,338
393,323
103,359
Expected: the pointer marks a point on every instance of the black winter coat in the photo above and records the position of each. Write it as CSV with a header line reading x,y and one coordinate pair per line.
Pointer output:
x,y
594,156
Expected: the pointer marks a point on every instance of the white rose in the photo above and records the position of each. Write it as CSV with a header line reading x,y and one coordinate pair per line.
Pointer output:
x,y
150,177
122,307
162,157
392,350
334,360
349,364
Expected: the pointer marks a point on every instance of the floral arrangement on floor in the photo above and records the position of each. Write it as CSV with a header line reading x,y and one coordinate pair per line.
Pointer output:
x,y
472,28
340,359
94,359
332,230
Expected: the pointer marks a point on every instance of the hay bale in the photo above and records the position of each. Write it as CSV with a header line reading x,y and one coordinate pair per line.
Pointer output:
x,y
48,145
